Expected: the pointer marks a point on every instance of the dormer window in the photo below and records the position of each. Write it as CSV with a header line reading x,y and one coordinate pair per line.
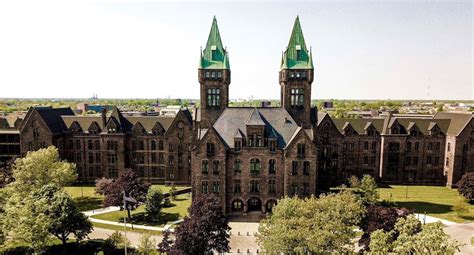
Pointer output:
x,y
238,145
112,130
219,74
299,53
214,52
208,74
210,149
272,145
300,150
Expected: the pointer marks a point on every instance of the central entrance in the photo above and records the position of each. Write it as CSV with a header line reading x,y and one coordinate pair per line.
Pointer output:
x,y
254,204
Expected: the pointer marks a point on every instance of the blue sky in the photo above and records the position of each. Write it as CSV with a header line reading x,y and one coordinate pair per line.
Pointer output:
x,y
149,49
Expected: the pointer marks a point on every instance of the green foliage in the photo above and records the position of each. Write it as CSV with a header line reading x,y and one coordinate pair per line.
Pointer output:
x,y
354,182
154,202
117,240
410,237
147,245
40,168
172,192
315,225
368,189
460,207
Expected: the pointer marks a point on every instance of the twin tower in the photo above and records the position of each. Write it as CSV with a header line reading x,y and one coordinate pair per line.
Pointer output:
x,y
296,77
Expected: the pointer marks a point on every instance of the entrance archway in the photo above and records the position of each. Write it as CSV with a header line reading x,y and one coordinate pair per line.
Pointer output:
x,y
270,204
254,204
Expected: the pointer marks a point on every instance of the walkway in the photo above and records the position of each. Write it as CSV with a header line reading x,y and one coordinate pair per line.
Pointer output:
x,y
463,233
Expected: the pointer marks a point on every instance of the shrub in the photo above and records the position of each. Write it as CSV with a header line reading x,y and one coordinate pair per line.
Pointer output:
x,y
466,185
154,202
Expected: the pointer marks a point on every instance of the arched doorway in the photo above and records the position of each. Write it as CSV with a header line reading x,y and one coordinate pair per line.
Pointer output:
x,y
254,204
270,204
237,205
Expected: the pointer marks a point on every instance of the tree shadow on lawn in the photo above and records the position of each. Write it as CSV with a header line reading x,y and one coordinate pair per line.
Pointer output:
x,y
143,219
88,203
425,207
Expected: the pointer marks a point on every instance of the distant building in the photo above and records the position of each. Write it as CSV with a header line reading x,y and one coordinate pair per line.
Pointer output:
x,y
328,105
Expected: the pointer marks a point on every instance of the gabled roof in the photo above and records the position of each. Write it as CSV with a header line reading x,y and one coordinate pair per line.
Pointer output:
x,y
359,125
422,124
214,56
238,133
52,117
458,121
296,55
255,119
276,120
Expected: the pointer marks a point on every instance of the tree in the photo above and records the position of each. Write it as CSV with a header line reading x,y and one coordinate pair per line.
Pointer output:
x,y
466,185
205,230
368,189
154,202
65,218
166,244
354,182
312,225
127,182
410,237
2,215
461,207
147,245
172,192
379,217
40,168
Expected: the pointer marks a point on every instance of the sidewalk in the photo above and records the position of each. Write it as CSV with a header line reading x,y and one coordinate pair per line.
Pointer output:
x,y
425,219
116,208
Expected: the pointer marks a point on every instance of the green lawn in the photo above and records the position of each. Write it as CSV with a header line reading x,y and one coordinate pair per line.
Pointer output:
x,y
178,210
86,198
435,201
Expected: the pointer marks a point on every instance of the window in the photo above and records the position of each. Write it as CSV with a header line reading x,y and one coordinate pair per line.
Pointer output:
x,y
366,145
97,157
300,148
272,166
430,146
113,172
161,146
417,146
237,166
35,133
161,158
237,187
297,97
237,205
447,161
205,167
294,188
153,145
271,186
210,149
213,97
78,144
305,188
415,160
372,160
215,186
171,160
428,160
351,146
205,187
112,145
374,145
366,160
89,144
272,145
215,167
170,147
294,168
408,161
254,186
449,146
255,166
238,145
436,161
153,158
97,145
111,158
306,168
90,157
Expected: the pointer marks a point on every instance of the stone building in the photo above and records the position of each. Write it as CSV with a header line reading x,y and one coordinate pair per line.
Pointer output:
x,y
251,156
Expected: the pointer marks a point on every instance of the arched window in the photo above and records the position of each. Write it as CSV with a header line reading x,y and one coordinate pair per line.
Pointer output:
x,y
272,166
255,166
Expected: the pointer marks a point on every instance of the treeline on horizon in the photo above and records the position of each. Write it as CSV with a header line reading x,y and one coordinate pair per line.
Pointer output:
x,y
9,105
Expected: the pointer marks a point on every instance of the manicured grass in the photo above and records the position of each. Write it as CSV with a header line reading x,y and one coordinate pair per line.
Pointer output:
x,y
129,229
472,241
178,210
435,201
85,197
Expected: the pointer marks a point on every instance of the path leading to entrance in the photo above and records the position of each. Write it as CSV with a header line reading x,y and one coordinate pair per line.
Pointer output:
x,y
463,233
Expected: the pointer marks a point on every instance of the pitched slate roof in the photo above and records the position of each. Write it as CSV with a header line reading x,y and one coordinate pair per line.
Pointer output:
x,y
422,124
255,119
458,121
214,56
276,120
52,118
359,125
296,55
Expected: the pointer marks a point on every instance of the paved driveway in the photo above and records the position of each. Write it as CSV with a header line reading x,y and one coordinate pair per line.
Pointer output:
x,y
463,233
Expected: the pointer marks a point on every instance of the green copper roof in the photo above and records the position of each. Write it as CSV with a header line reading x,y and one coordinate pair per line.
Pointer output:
x,y
214,56
296,55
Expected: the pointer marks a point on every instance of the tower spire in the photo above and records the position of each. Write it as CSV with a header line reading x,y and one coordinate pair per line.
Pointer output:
x,y
214,55
296,55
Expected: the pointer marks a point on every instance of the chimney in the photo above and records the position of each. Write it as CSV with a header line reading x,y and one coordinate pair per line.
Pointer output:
x,y
104,116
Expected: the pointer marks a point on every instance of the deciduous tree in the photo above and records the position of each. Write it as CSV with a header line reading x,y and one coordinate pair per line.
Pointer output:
x,y
40,168
154,202
205,230
315,225
466,185
166,244
147,245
